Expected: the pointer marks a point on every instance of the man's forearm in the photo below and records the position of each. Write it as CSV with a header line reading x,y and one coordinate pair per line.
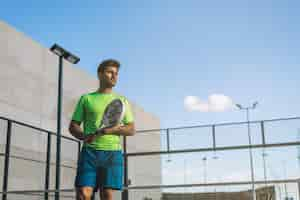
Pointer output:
x,y
76,131
123,130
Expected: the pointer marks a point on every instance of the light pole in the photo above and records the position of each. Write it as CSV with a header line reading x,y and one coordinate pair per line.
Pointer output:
x,y
247,109
264,155
285,177
204,159
62,54
215,157
184,175
298,148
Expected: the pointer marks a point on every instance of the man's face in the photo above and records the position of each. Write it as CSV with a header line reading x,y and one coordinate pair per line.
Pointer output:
x,y
109,76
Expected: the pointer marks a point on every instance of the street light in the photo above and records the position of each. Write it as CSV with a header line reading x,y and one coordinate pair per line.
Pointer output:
x,y
62,54
252,107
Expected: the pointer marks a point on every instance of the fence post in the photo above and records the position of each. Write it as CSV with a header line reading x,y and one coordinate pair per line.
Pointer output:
x,y
78,152
125,191
298,183
48,159
262,126
6,162
214,136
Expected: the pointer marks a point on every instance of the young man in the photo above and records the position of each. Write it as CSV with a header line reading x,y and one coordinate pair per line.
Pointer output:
x,y
100,165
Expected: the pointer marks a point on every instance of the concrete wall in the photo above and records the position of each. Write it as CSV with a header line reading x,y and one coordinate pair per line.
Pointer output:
x,y
28,85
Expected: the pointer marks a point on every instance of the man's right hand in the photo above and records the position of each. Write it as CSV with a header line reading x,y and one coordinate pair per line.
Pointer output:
x,y
90,138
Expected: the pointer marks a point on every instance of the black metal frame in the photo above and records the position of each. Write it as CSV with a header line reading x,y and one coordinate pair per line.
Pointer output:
x,y
213,132
58,125
7,155
125,195
214,148
47,176
126,155
6,161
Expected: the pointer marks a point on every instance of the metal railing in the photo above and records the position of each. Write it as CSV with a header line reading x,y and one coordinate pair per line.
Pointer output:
x,y
167,147
7,156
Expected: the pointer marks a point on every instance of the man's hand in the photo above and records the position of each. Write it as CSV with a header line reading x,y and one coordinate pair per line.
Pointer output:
x,y
76,130
90,138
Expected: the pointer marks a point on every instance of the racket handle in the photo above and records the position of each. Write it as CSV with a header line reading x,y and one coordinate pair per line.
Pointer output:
x,y
99,132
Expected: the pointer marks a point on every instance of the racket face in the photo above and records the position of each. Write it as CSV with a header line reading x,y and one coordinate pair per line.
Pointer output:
x,y
113,113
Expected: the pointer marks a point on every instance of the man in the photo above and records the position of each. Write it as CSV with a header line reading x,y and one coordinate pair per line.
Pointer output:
x,y
100,164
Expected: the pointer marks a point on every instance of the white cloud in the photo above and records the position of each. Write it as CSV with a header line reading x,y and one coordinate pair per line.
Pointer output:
x,y
215,103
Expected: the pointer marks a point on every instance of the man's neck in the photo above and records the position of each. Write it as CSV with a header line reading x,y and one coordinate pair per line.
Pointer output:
x,y
105,90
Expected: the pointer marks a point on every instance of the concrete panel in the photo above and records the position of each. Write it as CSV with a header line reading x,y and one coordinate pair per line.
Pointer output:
x,y
19,87
19,114
3,128
49,68
21,50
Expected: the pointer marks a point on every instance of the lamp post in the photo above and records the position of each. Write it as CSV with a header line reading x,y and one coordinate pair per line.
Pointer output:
x,y
184,175
285,177
62,54
215,157
247,109
264,155
204,159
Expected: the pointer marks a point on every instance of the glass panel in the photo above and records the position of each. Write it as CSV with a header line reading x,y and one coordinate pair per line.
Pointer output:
x,y
282,131
28,143
145,141
237,134
277,163
204,167
26,175
191,138
1,171
69,152
144,170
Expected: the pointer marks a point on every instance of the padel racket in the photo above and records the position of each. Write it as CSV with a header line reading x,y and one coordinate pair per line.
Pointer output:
x,y
113,114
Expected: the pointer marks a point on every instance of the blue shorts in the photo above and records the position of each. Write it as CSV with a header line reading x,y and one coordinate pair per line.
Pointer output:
x,y
100,169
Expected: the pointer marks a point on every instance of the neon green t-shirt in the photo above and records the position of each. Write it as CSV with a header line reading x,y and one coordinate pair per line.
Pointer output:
x,y
90,110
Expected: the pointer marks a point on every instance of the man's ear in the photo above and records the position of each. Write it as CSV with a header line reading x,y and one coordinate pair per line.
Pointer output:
x,y
99,74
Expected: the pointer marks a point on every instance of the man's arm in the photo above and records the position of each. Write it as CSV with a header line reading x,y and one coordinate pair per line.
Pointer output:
x,y
123,130
76,130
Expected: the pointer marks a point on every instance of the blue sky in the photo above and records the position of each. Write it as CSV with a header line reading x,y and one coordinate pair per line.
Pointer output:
x,y
247,50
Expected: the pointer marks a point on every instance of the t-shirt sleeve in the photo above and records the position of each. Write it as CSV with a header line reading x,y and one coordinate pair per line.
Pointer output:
x,y
78,114
128,116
